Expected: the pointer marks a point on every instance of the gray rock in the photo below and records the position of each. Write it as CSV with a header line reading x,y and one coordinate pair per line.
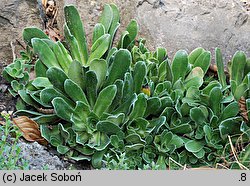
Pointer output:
x,y
14,16
180,24
46,158
40,158
187,24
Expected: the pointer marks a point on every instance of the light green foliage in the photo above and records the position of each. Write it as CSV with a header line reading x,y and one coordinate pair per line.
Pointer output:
x,y
10,158
129,107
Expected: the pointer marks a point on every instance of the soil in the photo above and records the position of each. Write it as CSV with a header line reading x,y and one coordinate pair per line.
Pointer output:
x,y
7,102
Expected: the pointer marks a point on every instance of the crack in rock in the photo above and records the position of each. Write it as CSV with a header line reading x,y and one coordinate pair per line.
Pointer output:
x,y
155,4
241,20
5,21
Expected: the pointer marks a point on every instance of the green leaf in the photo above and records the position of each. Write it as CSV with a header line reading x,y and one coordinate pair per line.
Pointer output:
x,y
74,91
179,65
16,86
203,61
160,54
81,158
41,82
153,104
32,32
157,123
28,113
134,147
91,90
79,116
76,73
45,54
161,163
40,69
106,17
197,115
99,31
240,91
44,119
116,142
162,71
100,67
120,66
73,45
115,22
230,111
139,74
215,98
139,107
247,67
75,25
208,132
110,56
118,96
192,57
27,98
104,100
126,106
62,109
57,77
108,127
182,129
52,135
132,29
127,87
99,141
238,65
195,78
48,94
99,48
200,154
230,126
193,146
96,160
169,75
210,86
122,38
248,107
62,149
62,57
82,137
220,67
116,119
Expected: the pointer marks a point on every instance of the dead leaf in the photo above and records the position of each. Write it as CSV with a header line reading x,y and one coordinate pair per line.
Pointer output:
x,y
53,34
213,68
30,129
2,122
243,108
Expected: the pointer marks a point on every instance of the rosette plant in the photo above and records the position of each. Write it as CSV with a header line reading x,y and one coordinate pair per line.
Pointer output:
x,y
127,107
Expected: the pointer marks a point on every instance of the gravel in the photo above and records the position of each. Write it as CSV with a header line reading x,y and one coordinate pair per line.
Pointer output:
x,y
41,157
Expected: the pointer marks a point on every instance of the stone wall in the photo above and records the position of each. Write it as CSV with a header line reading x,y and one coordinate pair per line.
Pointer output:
x,y
181,24
174,24
14,16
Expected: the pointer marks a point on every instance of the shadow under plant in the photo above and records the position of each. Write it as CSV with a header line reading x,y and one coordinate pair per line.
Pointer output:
x,y
127,107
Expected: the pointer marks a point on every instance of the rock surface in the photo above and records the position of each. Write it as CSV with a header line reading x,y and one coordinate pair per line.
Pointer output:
x,y
174,24
39,158
180,24
14,16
